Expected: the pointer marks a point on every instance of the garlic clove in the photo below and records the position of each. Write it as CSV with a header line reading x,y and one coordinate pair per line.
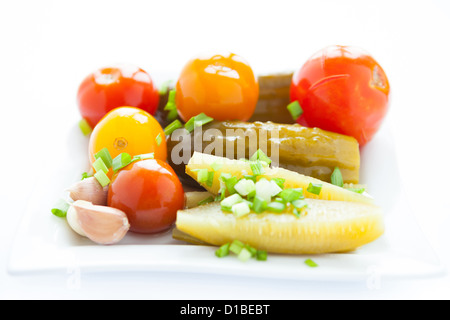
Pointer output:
x,y
72,220
89,190
103,225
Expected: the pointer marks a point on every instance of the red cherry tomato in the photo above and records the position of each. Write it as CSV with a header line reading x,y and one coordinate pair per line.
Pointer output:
x,y
113,87
344,90
150,194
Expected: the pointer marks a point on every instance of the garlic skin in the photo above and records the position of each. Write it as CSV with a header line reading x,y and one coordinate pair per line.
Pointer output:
x,y
101,224
72,220
89,190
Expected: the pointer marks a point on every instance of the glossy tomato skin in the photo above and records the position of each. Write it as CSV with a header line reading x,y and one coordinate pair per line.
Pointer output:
x,y
121,85
128,130
223,86
344,90
150,194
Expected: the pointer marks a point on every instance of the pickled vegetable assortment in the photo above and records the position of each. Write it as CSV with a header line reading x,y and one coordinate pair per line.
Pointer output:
x,y
249,165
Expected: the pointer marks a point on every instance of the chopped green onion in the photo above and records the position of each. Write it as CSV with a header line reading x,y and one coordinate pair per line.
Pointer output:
x,y
257,168
228,203
279,181
250,177
264,190
99,165
278,199
252,250
336,178
84,127
296,213
244,187
172,127
143,157
223,251
230,182
60,209
314,188
276,206
261,255
206,201
289,195
259,204
224,176
299,204
105,156
85,175
240,209
260,155
243,251
121,161
205,176
102,178
165,87
172,115
274,188
244,255
311,263
202,175
158,139
251,196
357,190
220,196
295,109
197,121
210,180
171,106
216,166
236,246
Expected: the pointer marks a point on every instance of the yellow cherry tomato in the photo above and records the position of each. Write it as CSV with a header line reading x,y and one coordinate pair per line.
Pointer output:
x,y
223,86
128,130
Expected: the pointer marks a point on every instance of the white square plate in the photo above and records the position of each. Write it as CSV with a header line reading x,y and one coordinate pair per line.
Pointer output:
x,y
45,243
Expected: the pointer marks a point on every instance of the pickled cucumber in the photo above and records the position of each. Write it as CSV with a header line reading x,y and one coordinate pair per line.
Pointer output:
x,y
310,151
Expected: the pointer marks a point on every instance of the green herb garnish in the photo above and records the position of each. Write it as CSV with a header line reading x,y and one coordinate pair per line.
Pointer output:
x,y
60,209
171,106
295,110
99,165
223,251
257,168
261,156
105,156
121,161
102,178
172,127
84,127
311,263
314,188
197,121
206,201
336,178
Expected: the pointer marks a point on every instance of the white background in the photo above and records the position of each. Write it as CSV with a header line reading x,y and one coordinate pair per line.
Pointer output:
x,y
47,47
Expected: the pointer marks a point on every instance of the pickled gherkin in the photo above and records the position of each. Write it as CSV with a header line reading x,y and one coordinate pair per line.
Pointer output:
x,y
309,151
274,96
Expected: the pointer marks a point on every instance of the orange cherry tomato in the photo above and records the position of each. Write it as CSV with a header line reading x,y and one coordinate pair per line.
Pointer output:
x,y
150,194
344,90
222,86
113,87
128,130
